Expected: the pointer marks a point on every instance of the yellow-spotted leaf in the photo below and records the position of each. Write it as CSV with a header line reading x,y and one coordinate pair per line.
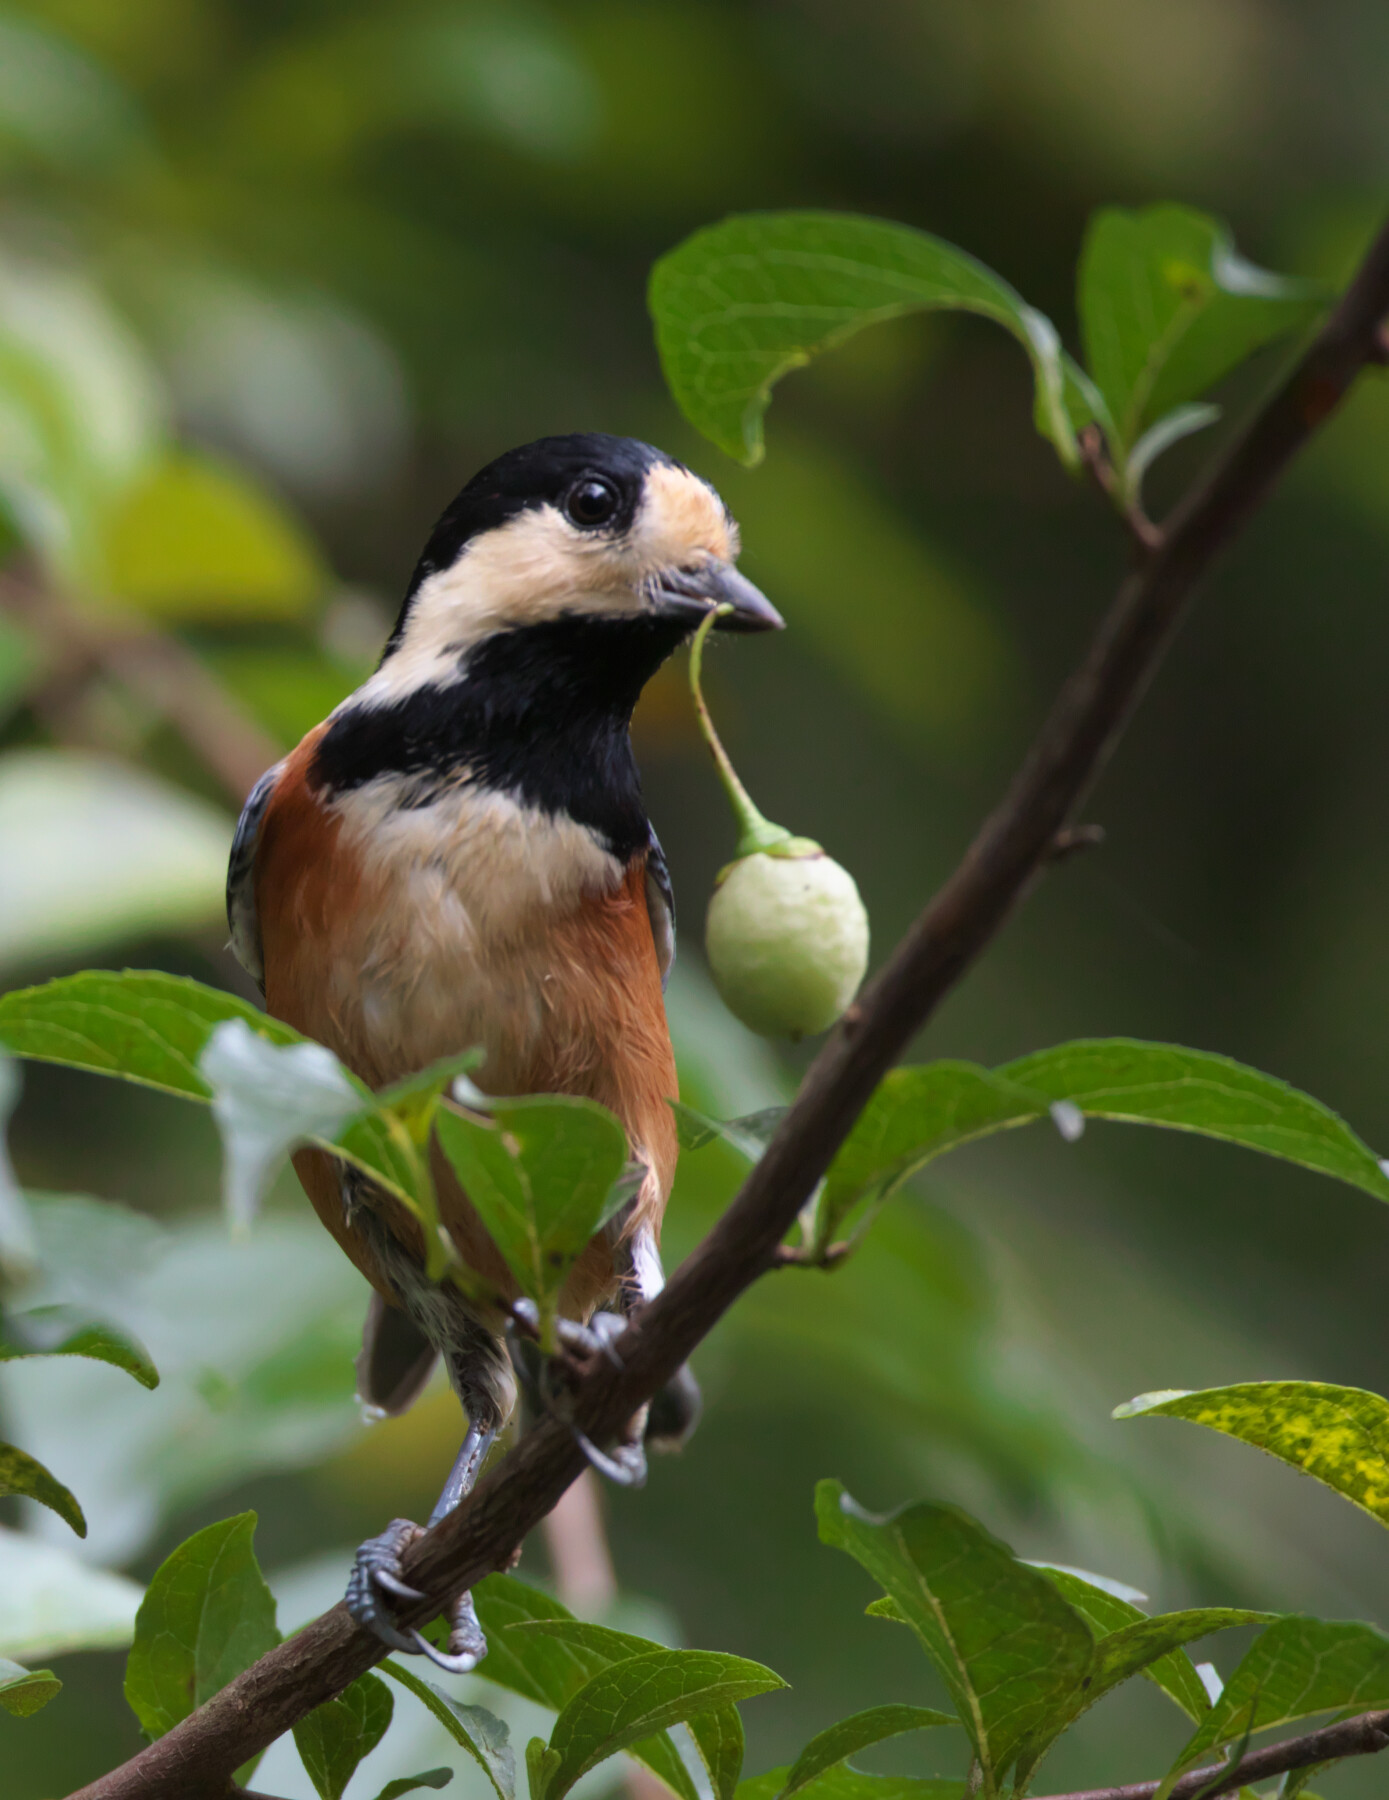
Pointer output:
x,y
1338,1434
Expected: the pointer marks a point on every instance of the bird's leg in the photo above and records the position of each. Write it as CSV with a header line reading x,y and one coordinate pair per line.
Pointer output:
x,y
481,1377
377,1579
665,1422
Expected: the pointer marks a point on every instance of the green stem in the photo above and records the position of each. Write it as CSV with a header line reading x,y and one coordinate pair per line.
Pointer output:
x,y
755,832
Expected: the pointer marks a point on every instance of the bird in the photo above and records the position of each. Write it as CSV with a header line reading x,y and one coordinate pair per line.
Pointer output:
x,y
459,856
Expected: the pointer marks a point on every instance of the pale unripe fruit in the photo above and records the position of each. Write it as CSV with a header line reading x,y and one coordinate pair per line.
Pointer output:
x,y
786,933
787,941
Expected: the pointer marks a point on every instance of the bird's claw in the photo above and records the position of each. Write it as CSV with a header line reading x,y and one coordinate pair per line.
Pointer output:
x,y
624,1465
376,1578
594,1339
376,1575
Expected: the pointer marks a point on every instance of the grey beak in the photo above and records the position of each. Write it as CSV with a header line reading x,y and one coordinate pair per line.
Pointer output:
x,y
696,591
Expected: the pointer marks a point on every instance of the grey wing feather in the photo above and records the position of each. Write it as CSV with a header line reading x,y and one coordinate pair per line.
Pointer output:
x,y
241,883
660,906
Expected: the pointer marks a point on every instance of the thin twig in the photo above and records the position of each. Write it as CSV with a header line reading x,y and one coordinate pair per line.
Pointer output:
x,y
1363,1736
192,1762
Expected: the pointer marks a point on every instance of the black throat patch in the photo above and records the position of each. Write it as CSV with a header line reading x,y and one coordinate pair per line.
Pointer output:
x,y
542,713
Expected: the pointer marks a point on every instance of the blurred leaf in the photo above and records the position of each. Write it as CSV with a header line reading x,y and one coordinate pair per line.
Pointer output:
x,y
206,1616
195,540
539,1172
286,687
1106,1613
1181,422
742,303
266,1098
57,106
409,1784
61,1331
840,1741
1167,307
24,1691
479,1732
20,660
917,1113
1009,1648
334,1737
98,852
17,1247
54,1602
1340,1435
1296,1668
79,413
639,1696
749,1136
21,1474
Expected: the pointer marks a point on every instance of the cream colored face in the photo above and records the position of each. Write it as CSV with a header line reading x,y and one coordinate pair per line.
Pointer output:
x,y
539,566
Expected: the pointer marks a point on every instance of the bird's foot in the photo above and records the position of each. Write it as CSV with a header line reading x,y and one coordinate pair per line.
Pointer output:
x,y
377,1581
624,1465
594,1339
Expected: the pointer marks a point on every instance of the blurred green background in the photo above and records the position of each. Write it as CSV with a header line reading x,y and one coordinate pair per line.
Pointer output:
x,y
276,279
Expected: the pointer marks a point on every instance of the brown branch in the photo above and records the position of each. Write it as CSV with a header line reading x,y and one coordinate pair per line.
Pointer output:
x,y
192,1762
1363,1736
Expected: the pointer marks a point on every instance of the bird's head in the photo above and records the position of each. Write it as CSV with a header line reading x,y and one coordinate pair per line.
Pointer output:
x,y
596,541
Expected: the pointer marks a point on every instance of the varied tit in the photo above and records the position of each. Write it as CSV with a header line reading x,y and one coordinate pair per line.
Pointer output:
x,y
459,855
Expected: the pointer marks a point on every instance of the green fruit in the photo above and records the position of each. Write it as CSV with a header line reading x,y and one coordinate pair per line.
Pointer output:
x,y
786,933
787,940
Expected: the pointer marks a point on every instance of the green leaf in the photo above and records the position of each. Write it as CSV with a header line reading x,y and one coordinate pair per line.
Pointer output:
x,y
1340,1435
1122,1654
1296,1668
539,1172
142,1026
24,1691
639,1696
844,1783
599,1646
742,303
917,1113
334,1737
64,1331
913,1115
198,540
541,1763
719,1739
856,1733
206,1616
1167,307
1009,1648
408,1784
479,1732
538,1649
20,1474
1106,1612
1193,1090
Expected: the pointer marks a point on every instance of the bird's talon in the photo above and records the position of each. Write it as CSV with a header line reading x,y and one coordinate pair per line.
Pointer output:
x,y
401,1589
376,1574
625,1466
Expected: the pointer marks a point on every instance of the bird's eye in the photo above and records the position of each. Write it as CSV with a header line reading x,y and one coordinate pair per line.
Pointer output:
x,y
592,501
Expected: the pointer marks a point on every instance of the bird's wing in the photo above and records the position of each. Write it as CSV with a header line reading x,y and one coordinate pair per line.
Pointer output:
x,y
660,905
241,883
